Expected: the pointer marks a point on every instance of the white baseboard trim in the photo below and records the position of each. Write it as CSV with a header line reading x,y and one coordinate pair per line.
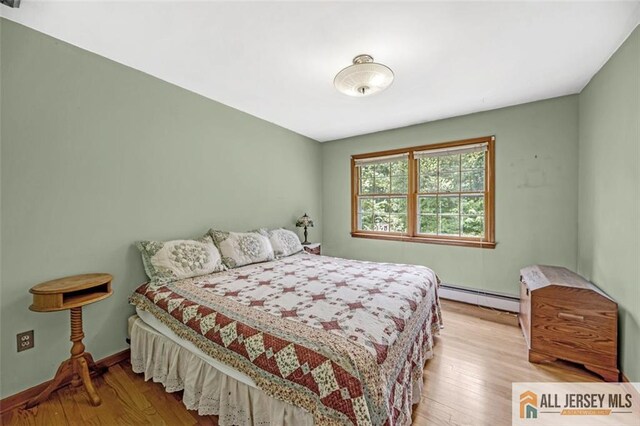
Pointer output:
x,y
480,297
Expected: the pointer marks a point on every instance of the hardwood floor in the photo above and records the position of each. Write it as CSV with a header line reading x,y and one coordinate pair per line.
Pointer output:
x,y
478,355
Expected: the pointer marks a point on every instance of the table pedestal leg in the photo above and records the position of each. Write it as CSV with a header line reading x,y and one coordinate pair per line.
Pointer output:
x,y
75,368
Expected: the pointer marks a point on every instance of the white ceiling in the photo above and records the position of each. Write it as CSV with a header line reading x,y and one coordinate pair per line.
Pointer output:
x,y
277,60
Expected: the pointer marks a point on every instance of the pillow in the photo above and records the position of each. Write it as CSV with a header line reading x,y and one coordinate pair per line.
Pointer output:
x,y
284,242
166,261
242,248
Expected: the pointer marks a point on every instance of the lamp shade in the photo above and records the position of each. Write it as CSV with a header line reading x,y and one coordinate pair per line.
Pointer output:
x,y
304,221
364,77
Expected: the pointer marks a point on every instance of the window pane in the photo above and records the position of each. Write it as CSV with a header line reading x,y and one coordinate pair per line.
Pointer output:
x,y
400,167
366,205
450,225
428,204
428,183
473,160
384,178
473,226
473,204
428,174
398,222
382,184
365,214
449,182
449,163
366,222
381,222
381,215
381,206
449,204
428,165
428,224
399,177
398,205
399,184
366,179
473,180
383,169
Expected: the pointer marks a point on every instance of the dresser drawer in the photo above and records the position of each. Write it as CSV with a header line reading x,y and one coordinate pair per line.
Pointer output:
x,y
583,334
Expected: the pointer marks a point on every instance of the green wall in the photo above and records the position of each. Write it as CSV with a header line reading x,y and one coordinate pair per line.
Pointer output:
x,y
536,194
609,201
95,156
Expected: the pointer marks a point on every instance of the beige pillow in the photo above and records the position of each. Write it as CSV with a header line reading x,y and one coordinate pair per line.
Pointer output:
x,y
284,242
242,248
166,261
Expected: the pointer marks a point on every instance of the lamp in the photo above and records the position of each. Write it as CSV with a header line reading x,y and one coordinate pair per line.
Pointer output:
x,y
11,3
364,77
304,222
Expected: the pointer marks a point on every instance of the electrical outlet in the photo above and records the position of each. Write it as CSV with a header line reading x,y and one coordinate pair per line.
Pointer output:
x,y
25,340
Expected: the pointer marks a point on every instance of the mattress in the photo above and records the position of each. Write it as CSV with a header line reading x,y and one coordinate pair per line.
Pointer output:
x,y
345,340
158,326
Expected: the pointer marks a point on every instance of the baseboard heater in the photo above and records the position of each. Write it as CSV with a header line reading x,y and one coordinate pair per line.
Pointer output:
x,y
505,302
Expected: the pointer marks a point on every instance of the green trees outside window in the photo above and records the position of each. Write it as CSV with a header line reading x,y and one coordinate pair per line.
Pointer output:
x,y
441,193
451,194
382,205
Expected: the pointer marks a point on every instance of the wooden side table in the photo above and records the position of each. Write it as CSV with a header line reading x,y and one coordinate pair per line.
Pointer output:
x,y
72,293
313,248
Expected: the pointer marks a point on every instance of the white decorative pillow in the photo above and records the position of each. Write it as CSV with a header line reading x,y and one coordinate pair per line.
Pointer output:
x,y
242,248
284,242
166,261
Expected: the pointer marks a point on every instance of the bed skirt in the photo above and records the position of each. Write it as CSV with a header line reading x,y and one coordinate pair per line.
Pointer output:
x,y
206,389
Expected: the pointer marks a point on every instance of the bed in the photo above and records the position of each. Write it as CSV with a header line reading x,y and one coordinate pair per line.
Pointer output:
x,y
326,340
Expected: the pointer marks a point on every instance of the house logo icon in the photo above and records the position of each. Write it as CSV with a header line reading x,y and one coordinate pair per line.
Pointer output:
x,y
528,405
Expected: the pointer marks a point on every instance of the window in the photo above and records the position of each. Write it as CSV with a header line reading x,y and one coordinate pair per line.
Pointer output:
x,y
441,193
384,189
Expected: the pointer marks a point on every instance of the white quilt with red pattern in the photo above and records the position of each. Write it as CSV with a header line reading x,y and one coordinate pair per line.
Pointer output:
x,y
344,339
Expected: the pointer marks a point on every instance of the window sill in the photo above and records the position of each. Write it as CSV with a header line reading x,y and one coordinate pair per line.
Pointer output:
x,y
426,240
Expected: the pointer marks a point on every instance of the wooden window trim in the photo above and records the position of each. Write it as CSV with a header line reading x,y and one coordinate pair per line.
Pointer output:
x,y
488,241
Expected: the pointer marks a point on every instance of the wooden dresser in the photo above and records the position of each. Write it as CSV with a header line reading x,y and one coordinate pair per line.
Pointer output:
x,y
563,316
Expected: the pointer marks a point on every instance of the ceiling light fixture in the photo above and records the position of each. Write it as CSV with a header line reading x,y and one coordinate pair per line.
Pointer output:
x,y
364,77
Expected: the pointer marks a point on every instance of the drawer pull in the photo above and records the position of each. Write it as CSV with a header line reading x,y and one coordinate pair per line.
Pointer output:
x,y
567,316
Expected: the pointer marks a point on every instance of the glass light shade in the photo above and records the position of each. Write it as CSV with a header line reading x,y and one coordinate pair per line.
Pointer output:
x,y
304,220
363,78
